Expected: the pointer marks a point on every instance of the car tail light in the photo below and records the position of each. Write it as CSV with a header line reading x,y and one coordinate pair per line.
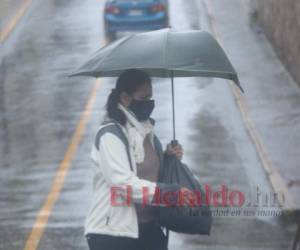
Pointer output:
x,y
158,7
112,9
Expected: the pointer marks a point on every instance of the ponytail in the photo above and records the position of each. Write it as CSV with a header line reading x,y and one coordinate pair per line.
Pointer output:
x,y
129,82
112,107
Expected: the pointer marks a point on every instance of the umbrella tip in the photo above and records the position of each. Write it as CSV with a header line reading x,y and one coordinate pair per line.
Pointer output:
x,y
236,80
240,88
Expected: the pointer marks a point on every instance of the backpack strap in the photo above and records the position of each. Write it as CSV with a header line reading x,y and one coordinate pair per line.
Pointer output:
x,y
159,151
167,236
113,128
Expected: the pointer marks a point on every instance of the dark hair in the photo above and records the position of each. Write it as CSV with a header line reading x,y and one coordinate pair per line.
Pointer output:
x,y
129,82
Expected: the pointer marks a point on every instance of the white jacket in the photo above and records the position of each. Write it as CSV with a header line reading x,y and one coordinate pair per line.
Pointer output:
x,y
111,168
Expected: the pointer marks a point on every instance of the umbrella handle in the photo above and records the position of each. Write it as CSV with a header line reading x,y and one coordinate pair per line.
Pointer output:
x,y
174,143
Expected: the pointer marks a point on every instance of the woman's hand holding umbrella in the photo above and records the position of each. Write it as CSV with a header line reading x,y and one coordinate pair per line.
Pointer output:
x,y
176,150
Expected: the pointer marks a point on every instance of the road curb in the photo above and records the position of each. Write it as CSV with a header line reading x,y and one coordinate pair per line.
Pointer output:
x,y
274,177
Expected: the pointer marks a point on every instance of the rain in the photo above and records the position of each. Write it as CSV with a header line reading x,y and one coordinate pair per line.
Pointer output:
x,y
248,142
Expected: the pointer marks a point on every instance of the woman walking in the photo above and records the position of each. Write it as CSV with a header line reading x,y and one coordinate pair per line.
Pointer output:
x,y
127,153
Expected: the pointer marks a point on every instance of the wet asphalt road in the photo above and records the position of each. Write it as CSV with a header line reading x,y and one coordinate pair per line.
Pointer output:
x,y
40,108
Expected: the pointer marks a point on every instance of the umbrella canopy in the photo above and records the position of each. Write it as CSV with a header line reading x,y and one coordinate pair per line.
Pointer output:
x,y
162,53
